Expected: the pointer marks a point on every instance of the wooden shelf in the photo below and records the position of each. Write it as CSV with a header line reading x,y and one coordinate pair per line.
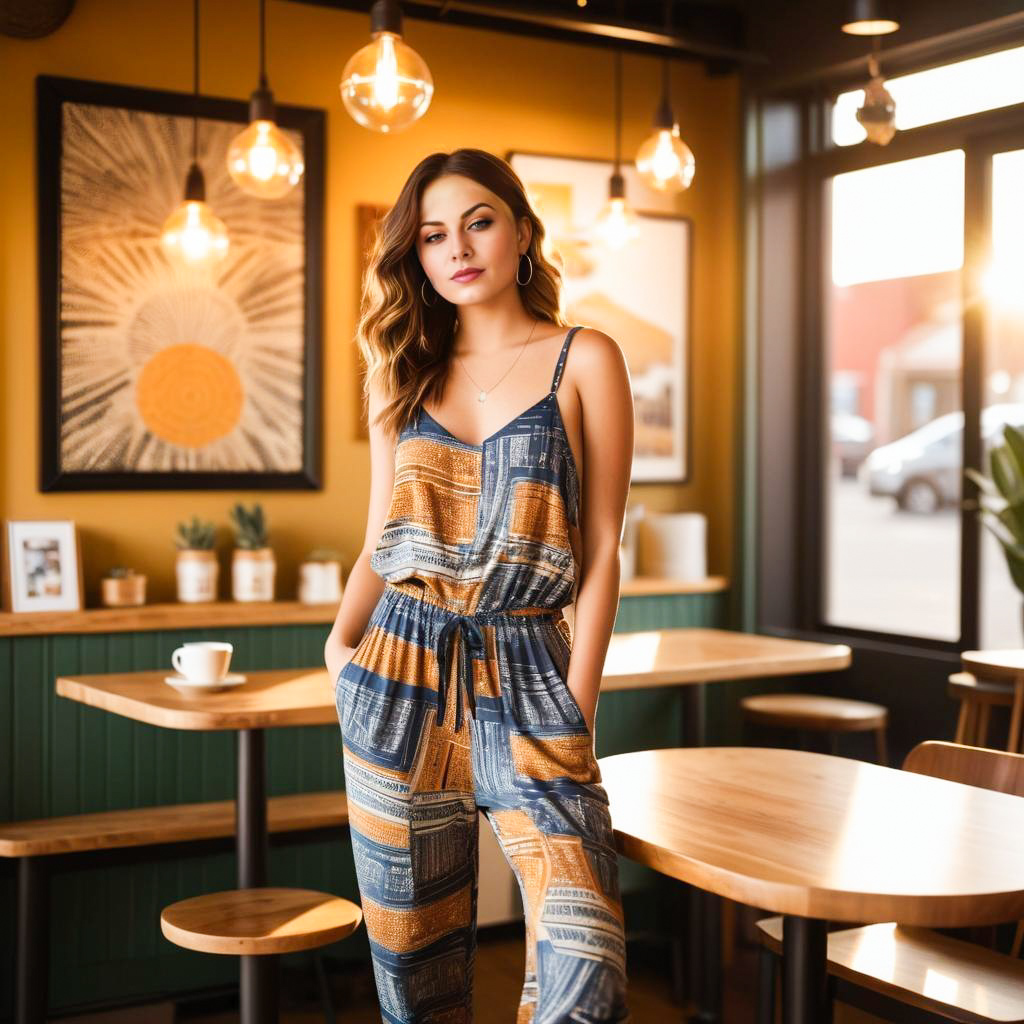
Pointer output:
x,y
166,616
218,614
654,586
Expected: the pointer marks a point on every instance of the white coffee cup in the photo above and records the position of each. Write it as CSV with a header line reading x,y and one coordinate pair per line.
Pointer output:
x,y
203,661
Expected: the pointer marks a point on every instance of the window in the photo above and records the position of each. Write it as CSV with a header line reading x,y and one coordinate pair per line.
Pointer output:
x,y
1002,378
893,344
939,94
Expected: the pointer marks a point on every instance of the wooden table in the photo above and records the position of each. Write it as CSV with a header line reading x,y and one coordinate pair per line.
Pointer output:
x,y
282,697
1004,666
819,838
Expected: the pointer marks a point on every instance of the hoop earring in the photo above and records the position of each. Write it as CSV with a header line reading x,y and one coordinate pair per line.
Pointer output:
x,y
423,296
528,260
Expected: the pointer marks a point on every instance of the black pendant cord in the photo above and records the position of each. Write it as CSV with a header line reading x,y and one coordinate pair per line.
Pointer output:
x,y
263,44
195,81
618,109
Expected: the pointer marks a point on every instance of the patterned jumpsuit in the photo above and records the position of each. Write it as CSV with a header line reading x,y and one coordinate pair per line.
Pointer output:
x,y
456,701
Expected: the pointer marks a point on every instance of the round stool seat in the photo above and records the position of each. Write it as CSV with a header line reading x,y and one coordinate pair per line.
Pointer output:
x,y
805,711
255,922
965,686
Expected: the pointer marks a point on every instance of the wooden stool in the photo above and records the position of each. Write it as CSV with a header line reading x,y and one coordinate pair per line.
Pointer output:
x,y
1007,668
259,922
820,714
977,698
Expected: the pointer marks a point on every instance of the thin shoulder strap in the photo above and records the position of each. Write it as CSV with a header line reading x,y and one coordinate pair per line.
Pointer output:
x,y
560,365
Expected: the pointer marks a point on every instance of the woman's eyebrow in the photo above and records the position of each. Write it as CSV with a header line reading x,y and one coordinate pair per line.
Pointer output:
x,y
463,217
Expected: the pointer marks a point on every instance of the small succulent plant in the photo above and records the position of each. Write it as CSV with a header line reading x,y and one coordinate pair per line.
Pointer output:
x,y
119,572
250,526
196,535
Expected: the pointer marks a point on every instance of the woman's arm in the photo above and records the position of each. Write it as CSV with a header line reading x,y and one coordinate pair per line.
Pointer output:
x,y
364,586
606,403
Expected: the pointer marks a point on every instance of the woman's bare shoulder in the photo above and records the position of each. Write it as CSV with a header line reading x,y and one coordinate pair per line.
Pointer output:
x,y
593,351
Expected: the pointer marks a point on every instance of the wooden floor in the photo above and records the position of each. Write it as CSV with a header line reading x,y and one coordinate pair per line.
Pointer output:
x,y
499,979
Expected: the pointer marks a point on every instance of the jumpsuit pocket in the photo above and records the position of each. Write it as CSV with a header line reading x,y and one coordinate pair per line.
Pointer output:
x,y
560,681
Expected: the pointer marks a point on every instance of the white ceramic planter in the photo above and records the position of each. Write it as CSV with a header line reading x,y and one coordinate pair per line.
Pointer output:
x,y
320,582
196,573
252,574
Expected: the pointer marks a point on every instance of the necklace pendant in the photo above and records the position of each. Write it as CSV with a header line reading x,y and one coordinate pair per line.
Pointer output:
x,y
482,397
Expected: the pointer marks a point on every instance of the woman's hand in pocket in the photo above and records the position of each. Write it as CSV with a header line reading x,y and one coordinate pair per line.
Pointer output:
x,y
336,660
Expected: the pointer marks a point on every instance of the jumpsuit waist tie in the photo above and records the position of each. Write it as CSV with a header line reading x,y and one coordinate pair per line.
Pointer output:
x,y
473,647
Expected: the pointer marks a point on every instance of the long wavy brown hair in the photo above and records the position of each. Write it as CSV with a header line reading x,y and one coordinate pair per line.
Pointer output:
x,y
407,344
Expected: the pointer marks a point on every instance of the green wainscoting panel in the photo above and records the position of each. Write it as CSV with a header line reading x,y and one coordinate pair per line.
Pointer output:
x,y
58,757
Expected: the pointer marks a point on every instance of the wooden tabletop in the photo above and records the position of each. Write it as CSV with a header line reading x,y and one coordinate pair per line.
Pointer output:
x,y
670,657
279,697
823,837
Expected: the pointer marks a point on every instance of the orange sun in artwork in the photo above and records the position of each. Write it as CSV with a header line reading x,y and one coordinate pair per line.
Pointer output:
x,y
189,395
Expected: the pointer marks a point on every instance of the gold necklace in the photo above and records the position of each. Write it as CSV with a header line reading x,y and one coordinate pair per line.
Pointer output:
x,y
482,393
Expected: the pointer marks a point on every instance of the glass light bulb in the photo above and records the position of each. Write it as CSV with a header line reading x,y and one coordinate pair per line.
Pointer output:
x,y
878,113
617,224
194,235
264,162
386,85
665,162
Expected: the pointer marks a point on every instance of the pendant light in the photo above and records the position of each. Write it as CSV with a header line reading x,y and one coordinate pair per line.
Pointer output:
x,y
193,234
386,85
869,18
617,224
877,116
664,161
262,160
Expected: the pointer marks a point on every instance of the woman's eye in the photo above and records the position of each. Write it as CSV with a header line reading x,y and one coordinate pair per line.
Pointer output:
x,y
485,221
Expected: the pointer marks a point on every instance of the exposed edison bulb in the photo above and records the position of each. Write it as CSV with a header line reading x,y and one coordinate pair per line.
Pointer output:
x,y
877,115
386,85
616,225
665,162
194,235
264,162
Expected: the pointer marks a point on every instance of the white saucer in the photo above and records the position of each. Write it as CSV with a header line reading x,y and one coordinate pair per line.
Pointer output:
x,y
184,685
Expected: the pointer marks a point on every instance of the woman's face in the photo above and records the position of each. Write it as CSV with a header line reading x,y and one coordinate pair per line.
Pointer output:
x,y
465,226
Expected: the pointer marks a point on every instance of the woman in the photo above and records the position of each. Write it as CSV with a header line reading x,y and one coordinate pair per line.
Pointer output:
x,y
455,687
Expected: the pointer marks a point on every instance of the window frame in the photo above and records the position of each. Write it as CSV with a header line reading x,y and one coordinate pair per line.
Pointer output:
x,y
980,136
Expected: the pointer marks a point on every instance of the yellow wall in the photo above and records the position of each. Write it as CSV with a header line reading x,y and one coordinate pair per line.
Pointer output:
x,y
493,92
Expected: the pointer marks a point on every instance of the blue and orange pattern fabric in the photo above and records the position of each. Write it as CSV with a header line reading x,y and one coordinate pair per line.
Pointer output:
x,y
455,703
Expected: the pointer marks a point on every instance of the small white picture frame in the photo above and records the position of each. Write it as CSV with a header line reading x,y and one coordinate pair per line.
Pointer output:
x,y
42,566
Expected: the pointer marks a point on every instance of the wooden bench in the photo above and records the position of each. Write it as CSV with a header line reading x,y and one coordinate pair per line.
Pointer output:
x,y
940,976
32,842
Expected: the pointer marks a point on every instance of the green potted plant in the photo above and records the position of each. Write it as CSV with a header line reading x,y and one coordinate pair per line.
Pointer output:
x,y
1001,499
253,565
196,569
320,577
123,588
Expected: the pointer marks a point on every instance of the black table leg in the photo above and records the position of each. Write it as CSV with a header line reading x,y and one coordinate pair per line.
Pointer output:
x,y
804,972
705,957
694,715
258,973
705,909
32,956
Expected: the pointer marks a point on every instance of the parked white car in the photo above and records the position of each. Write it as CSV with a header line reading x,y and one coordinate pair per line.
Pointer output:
x,y
923,471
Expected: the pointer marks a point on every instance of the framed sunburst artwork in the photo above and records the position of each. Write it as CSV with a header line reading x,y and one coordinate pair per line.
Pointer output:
x,y
153,376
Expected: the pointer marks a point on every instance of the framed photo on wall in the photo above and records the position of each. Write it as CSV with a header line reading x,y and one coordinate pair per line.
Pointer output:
x,y
638,294
155,377
42,566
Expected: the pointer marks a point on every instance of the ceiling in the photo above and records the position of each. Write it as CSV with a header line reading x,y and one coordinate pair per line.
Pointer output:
x,y
709,32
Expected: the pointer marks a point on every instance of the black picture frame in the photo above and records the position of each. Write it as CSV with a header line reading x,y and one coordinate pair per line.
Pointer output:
x,y
51,94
